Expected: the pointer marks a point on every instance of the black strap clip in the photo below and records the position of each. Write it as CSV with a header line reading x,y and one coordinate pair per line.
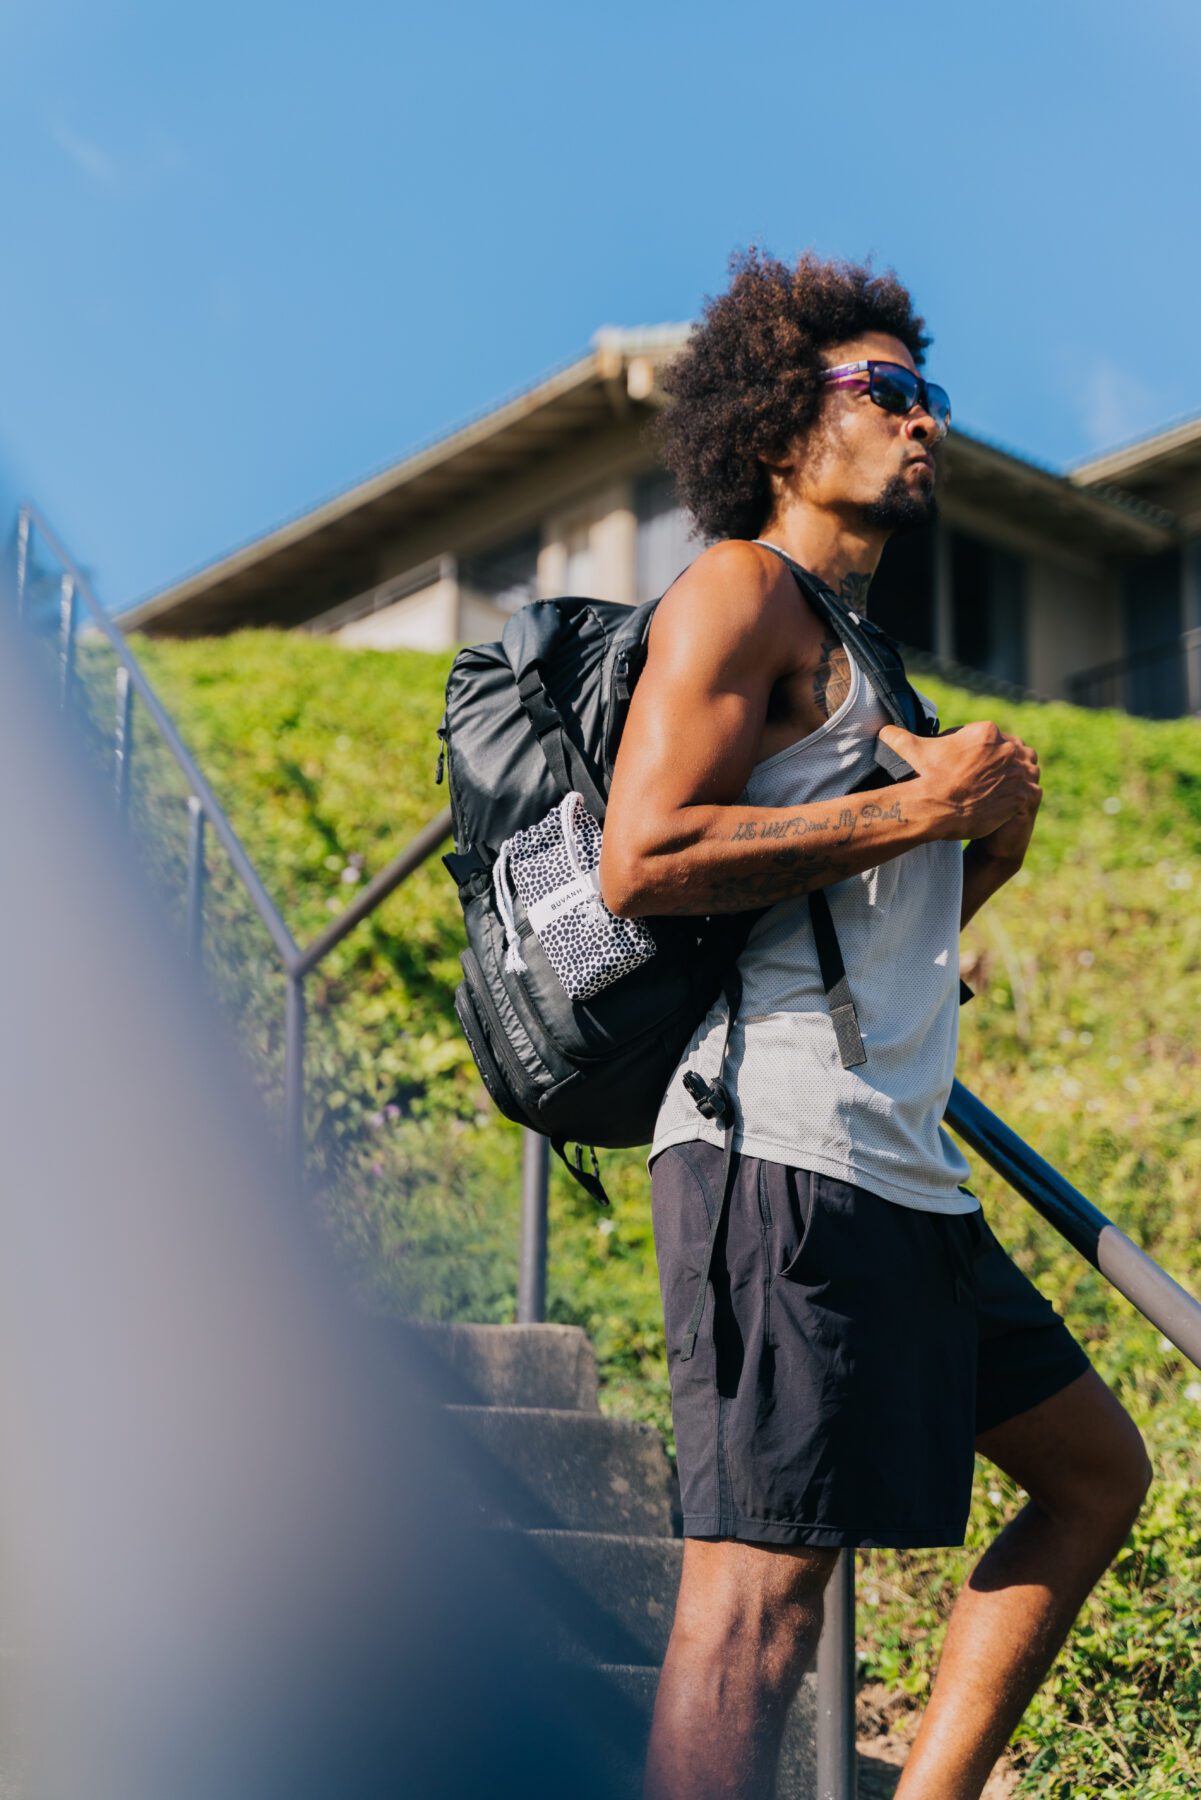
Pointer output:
x,y
591,1183
709,1097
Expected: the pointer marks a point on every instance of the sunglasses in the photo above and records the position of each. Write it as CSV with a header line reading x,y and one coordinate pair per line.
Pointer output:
x,y
897,389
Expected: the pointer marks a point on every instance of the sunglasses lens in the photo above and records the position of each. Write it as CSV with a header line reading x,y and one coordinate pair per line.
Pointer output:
x,y
939,406
893,388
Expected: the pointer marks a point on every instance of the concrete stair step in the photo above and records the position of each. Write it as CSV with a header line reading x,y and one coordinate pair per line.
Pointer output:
x,y
616,1598
626,1753
500,1365
537,1466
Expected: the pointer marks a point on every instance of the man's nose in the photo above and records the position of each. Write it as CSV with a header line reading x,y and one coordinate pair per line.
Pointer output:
x,y
920,424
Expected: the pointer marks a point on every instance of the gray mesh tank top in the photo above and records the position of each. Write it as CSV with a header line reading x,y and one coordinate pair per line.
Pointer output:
x,y
879,1125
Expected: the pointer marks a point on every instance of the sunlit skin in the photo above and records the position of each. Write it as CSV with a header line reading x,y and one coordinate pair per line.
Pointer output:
x,y
732,643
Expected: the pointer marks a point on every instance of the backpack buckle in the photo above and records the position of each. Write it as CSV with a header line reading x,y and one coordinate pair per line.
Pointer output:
x,y
709,1097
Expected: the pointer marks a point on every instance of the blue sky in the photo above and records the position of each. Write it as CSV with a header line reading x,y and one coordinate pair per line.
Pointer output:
x,y
257,250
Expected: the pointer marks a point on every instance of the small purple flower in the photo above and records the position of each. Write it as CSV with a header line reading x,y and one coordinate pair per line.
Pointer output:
x,y
392,1111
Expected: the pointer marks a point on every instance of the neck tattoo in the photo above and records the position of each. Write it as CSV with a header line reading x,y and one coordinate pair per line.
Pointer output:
x,y
853,589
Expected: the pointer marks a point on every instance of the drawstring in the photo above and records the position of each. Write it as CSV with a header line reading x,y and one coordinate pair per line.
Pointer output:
x,y
504,906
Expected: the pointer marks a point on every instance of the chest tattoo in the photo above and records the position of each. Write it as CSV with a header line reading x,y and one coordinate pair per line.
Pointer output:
x,y
831,678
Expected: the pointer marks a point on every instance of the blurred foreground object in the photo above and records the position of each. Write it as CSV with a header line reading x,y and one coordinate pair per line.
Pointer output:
x,y
238,1554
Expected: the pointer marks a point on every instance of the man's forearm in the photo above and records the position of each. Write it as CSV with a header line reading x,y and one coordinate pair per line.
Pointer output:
x,y
983,874
735,858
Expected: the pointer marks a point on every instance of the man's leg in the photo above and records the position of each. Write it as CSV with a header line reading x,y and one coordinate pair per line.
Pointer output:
x,y
1080,1458
746,1628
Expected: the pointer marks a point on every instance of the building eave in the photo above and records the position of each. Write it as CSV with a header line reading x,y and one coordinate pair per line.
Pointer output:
x,y
1105,522
617,375
1143,457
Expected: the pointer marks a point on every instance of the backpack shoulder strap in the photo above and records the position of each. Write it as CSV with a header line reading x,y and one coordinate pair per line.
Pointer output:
x,y
874,651
527,641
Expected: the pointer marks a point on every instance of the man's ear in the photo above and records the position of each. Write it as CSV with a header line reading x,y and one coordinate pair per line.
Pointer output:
x,y
778,462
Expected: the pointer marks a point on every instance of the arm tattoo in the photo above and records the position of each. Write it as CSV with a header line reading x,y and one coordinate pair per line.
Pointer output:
x,y
793,868
848,821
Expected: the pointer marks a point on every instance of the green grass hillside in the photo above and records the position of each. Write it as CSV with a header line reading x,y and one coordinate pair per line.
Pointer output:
x,y
1085,1034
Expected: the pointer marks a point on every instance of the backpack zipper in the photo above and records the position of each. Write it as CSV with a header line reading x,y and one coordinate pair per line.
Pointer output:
x,y
518,1074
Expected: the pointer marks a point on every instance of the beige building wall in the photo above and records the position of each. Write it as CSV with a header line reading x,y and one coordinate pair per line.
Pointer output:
x,y
1073,622
426,620
480,620
572,485
590,546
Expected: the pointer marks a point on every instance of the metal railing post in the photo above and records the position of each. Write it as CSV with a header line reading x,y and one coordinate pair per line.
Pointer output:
x,y
24,528
535,1179
123,741
294,1036
1192,670
195,930
66,641
836,1766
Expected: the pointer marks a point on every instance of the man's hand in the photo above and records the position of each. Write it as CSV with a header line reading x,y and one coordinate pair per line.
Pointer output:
x,y
983,780
1009,842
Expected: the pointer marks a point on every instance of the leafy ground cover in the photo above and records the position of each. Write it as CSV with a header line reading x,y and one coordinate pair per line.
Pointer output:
x,y
1084,1035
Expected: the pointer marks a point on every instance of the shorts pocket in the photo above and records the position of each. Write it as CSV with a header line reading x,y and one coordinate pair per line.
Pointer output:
x,y
979,1234
799,1219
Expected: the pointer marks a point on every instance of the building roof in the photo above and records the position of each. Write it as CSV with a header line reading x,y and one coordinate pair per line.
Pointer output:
x,y
317,558
524,429
1164,465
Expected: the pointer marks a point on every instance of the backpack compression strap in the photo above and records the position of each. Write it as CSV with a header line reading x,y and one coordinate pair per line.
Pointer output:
x,y
566,763
713,1100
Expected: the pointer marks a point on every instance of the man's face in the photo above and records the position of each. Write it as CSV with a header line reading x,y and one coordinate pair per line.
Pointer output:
x,y
878,467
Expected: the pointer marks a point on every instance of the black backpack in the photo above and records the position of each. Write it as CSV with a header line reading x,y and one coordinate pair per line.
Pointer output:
x,y
529,720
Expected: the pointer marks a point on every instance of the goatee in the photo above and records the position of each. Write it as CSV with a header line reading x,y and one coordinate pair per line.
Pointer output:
x,y
898,508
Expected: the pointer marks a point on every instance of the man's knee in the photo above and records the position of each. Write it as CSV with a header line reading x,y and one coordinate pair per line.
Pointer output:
x,y
1104,1483
1080,1457
757,1606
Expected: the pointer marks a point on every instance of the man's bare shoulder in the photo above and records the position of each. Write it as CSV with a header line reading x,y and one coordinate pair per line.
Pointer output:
x,y
737,600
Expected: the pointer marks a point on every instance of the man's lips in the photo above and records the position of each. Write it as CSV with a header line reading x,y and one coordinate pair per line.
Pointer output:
x,y
921,462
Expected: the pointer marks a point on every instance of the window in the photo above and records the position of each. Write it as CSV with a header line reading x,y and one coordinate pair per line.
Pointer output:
x,y
506,575
667,540
901,596
1156,684
988,602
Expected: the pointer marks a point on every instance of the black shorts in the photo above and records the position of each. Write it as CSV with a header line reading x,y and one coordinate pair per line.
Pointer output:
x,y
850,1350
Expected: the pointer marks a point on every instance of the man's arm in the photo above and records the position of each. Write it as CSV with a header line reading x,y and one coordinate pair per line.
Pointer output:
x,y
677,841
989,862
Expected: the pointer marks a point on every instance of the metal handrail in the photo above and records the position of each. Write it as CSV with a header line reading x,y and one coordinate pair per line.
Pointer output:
x,y
203,806
1148,1287
244,868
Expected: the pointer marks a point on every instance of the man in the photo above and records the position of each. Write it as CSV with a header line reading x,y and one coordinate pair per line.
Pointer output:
x,y
863,1332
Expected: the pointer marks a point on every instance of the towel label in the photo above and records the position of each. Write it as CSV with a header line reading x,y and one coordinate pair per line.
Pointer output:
x,y
576,892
